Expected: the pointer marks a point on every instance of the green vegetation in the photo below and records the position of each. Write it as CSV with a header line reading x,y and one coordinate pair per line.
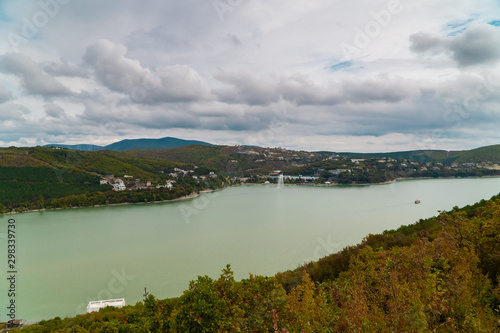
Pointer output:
x,y
489,153
57,177
43,177
438,275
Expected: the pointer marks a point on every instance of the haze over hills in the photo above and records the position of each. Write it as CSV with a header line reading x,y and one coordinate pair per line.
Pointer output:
x,y
129,144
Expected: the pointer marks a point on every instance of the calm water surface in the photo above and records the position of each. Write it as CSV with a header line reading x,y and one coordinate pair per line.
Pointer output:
x,y
68,257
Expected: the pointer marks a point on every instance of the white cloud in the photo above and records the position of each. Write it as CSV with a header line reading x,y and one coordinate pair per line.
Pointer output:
x,y
168,84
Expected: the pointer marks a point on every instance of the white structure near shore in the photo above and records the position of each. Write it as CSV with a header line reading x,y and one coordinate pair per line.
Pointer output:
x,y
119,185
97,305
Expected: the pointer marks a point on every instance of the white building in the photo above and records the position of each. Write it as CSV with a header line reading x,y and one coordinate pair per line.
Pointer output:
x,y
119,185
97,305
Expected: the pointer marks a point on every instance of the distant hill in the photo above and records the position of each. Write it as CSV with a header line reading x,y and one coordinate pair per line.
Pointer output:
x,y
421,156
140,144
489,153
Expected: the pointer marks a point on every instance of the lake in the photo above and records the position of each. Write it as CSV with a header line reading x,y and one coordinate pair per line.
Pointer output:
x,y
66,258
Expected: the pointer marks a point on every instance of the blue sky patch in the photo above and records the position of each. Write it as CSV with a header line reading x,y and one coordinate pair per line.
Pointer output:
x,y
496,23
3,16
341,66
456,28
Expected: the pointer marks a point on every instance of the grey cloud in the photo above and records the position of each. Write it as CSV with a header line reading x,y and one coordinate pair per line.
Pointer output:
x,y
63,68
169,84
300,90
54,110
13,112
250,89
246,88
33,78
234,39
166,119
477,45
162,37
422,42
5,94
103,109
210,116
383,89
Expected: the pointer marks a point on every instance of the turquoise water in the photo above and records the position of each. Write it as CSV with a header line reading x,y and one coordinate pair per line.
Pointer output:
x,y
67,258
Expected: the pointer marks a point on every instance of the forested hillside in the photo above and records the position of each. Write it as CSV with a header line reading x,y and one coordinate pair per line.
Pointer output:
x,y
43,177
51,177
438,275
489,153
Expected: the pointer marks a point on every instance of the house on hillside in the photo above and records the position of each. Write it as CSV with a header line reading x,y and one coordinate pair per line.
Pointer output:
x,y
119,185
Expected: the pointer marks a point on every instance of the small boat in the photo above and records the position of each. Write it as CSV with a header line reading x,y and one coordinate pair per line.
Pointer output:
x,y
417,202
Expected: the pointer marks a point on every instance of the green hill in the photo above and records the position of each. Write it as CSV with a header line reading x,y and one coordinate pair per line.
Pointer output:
x,y
421,156
48,177
162,143
489,153
129,144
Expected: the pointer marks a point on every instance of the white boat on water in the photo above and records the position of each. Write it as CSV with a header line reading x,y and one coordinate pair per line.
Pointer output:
x,y
97,305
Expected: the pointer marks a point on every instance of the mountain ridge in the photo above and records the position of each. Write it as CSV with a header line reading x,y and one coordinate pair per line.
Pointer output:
x,y
139,144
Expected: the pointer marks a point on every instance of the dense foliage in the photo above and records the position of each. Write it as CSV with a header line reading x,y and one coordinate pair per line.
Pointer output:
x,y
488,153
45,178
438,275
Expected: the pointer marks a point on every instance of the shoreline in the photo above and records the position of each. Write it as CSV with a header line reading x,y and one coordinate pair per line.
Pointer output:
x,y
186,197
369,184
195,194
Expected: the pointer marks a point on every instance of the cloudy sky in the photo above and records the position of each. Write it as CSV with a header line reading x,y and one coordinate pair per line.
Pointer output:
x,y
305,74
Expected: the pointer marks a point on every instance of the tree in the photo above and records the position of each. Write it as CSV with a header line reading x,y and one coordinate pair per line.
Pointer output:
x,y
41,202
200,307
306,309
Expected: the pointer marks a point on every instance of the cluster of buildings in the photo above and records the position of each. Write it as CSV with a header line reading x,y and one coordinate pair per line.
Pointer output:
x,y
128,182
120,185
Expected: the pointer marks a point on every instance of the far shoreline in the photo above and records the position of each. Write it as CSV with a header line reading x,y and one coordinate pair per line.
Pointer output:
x,y
197,194
185,197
